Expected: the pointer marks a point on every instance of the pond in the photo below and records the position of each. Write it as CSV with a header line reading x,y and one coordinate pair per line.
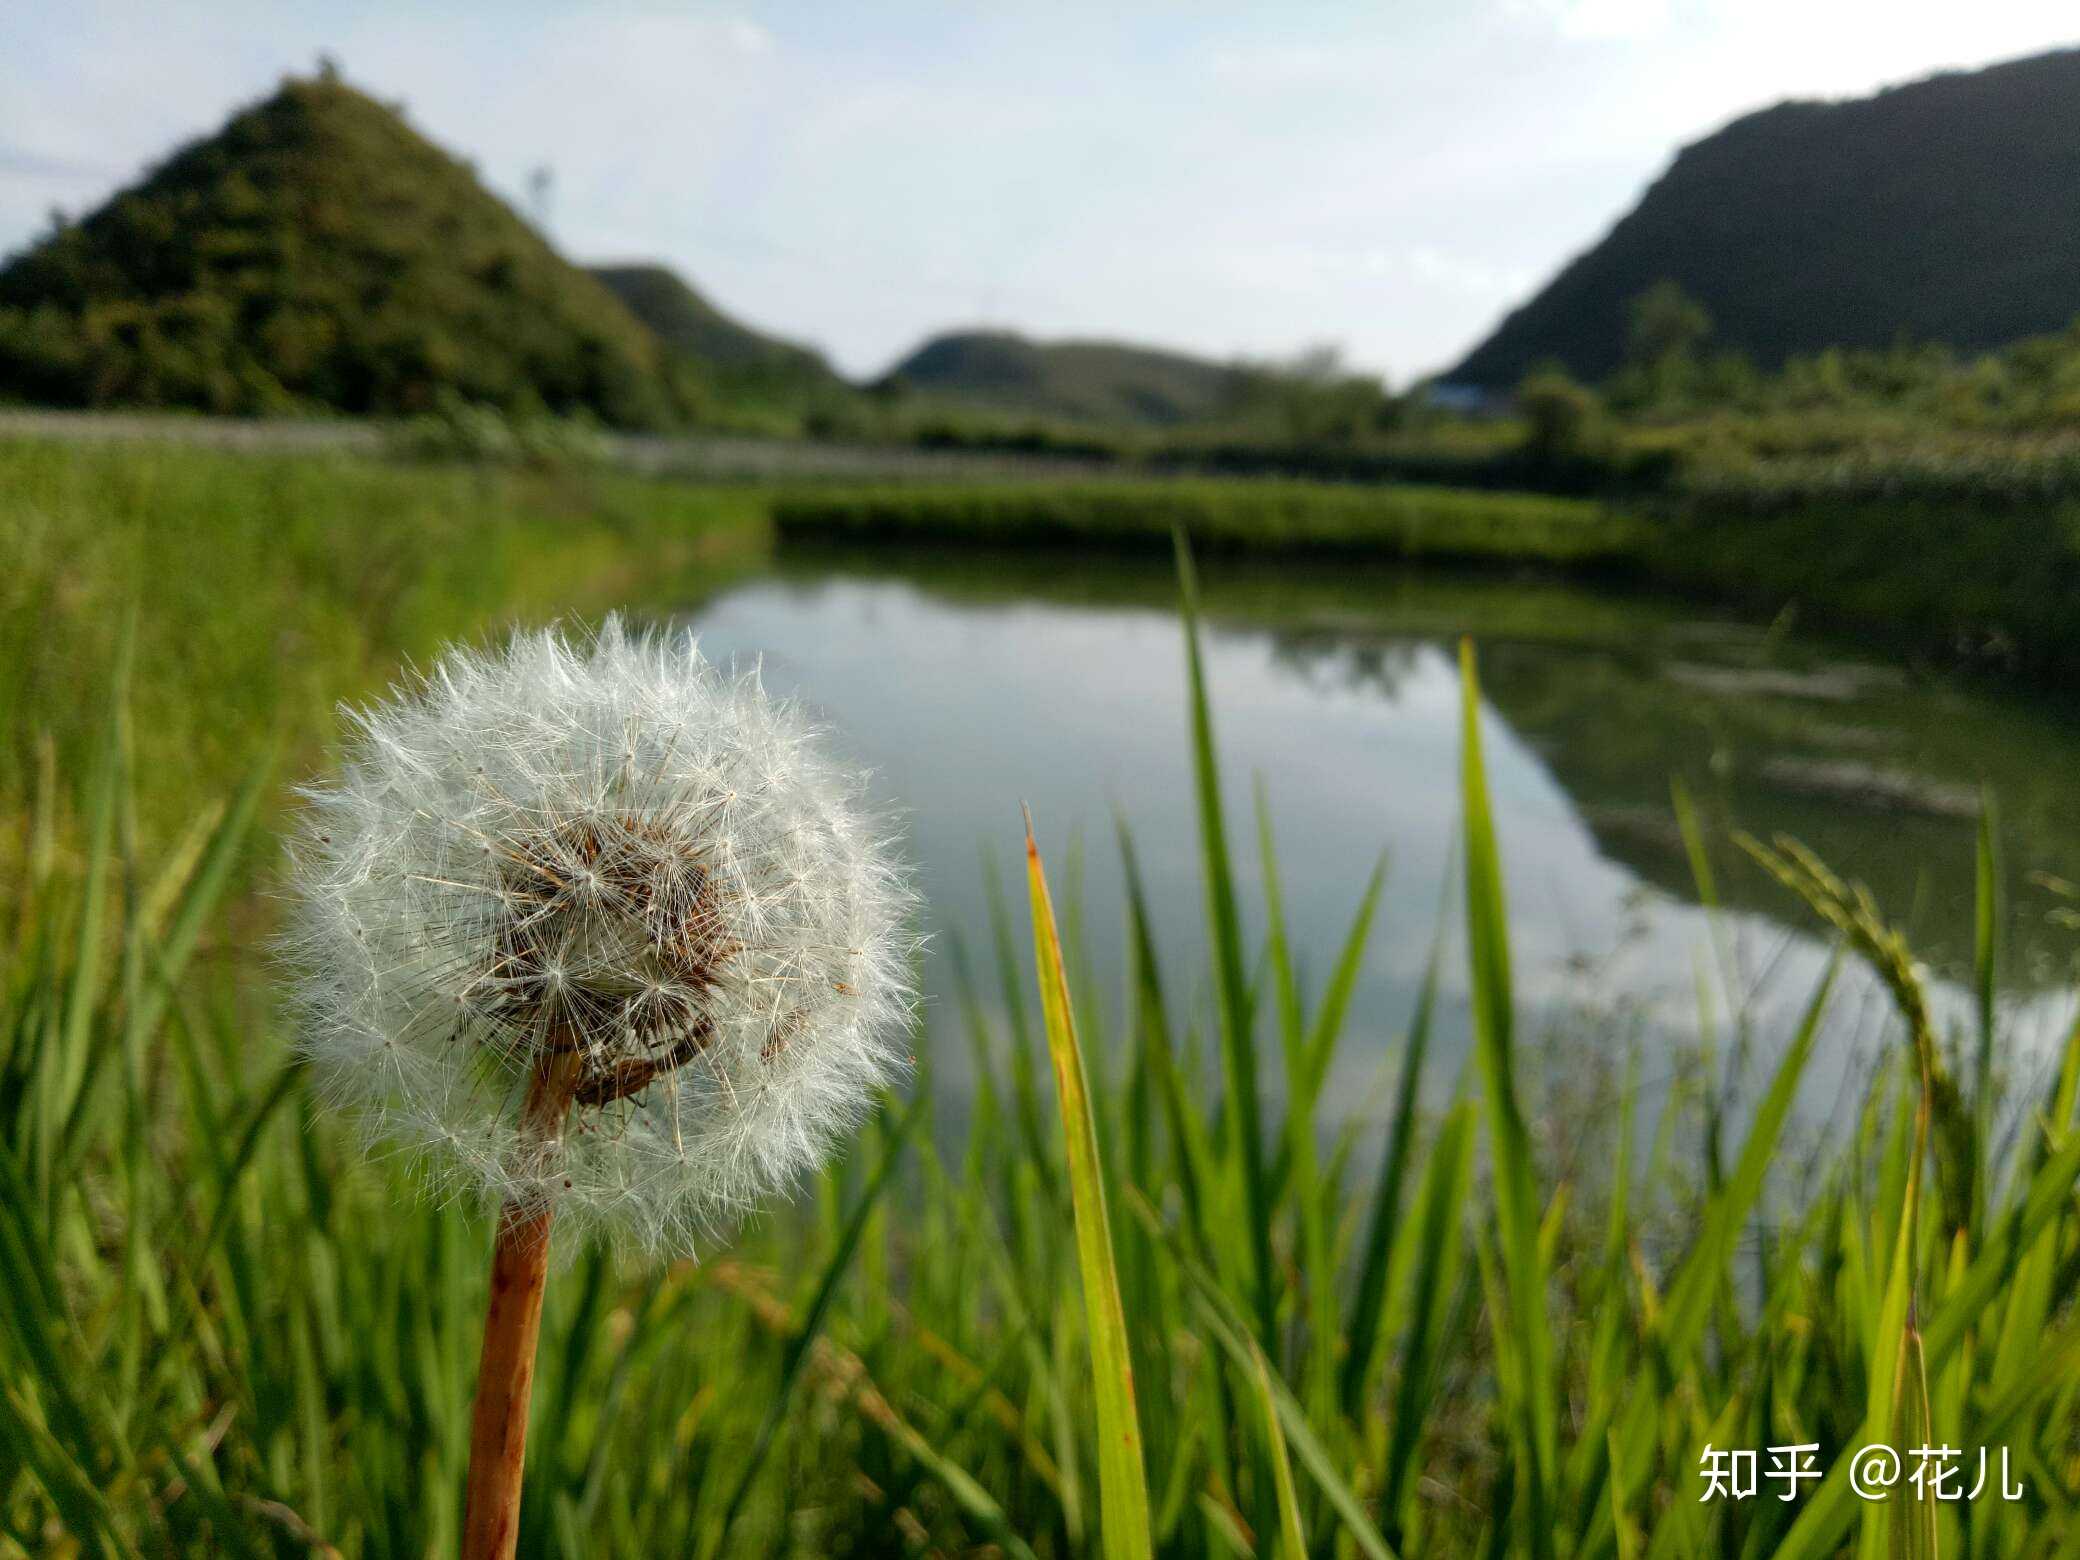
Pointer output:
x,y
972,683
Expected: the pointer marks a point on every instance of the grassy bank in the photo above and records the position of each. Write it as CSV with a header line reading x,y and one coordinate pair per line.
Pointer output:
x,y
1296,518
1981,570
259,589
1993,585
1508,1328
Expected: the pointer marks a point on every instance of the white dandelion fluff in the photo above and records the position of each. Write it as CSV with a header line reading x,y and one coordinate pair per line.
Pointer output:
x,y
593,927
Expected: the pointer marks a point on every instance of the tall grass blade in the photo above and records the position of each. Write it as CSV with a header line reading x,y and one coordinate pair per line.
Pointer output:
x,y
1369,1302
1187,1130
1292,1533
1317,1261
1336,996
1832,1509
1228,1327
796,1353
1509,1142
1986,938
67,1072
1440,1201
204,890
1122,1476
1238,1026
1986,957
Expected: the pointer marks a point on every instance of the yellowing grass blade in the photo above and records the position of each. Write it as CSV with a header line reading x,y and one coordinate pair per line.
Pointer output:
x,y
1122,1479
1292,1539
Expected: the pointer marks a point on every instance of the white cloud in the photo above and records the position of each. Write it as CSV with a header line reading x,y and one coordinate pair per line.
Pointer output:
x,y
1469,276
1597,19
1283,66
747,36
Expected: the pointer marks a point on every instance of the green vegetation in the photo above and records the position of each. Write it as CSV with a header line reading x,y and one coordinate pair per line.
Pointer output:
x,y
265,588
1562,420
1971,582
1179,1308
459,430
1682,415
1937,211
1950,578
222,1332
1903,404
1106,400
1103,382
745,370
318,254
1226,516
279,583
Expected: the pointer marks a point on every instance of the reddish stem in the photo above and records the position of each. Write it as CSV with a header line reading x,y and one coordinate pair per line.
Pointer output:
x,y
505,1369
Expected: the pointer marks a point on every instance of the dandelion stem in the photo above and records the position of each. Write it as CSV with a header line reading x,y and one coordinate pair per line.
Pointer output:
x,y
505,1369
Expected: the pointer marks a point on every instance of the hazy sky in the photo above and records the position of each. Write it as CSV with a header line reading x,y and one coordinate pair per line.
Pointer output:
x,y
1223,178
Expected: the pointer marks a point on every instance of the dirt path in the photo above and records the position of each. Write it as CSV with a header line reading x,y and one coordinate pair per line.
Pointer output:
x,y
718,456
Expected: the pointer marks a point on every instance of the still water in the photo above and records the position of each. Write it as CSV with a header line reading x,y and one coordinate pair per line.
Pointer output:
x,y
973,684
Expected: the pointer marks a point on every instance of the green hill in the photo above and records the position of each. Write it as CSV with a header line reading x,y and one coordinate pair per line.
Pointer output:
x,y
1945,210
317,252
1078,381
734,354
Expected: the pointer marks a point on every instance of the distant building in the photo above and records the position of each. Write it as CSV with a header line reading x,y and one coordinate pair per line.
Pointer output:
x,y
1463,400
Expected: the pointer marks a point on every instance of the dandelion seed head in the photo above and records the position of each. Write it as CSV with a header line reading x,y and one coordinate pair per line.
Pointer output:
x,y
609,861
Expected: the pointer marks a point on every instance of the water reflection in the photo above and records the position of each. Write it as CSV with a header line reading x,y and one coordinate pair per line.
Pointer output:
x,y
971,685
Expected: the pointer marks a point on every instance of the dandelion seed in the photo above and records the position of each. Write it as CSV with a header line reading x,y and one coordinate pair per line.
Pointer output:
x,y
592,931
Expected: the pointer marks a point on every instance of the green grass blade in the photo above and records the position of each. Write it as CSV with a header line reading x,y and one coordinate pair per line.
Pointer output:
x,y
1231,1331
1336,997
1025,1086
1369,1302
1832,1509
970,1496
1292,1534
66,1072
796,1353
1516,1184
1986,938
1986,957
1238,1029
203,892
1122,1475
1704,1270
1447,1183
1187,1130
1317,1260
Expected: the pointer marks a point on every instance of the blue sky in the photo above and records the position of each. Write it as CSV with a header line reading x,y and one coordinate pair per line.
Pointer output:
x,y
1226,179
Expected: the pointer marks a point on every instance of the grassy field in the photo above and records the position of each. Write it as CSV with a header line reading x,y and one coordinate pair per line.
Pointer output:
x,y
255,591
1266,516
1506,1327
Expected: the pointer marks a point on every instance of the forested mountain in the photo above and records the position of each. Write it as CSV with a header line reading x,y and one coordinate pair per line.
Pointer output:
x,y
688,324
1946,210
319,253
1082,381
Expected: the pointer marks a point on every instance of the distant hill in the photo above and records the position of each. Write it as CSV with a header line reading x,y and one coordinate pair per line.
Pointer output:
x,y
319,252
1080,381
689,324
1945,210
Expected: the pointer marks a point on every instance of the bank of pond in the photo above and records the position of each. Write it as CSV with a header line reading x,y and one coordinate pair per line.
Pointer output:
x,y
1987,580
